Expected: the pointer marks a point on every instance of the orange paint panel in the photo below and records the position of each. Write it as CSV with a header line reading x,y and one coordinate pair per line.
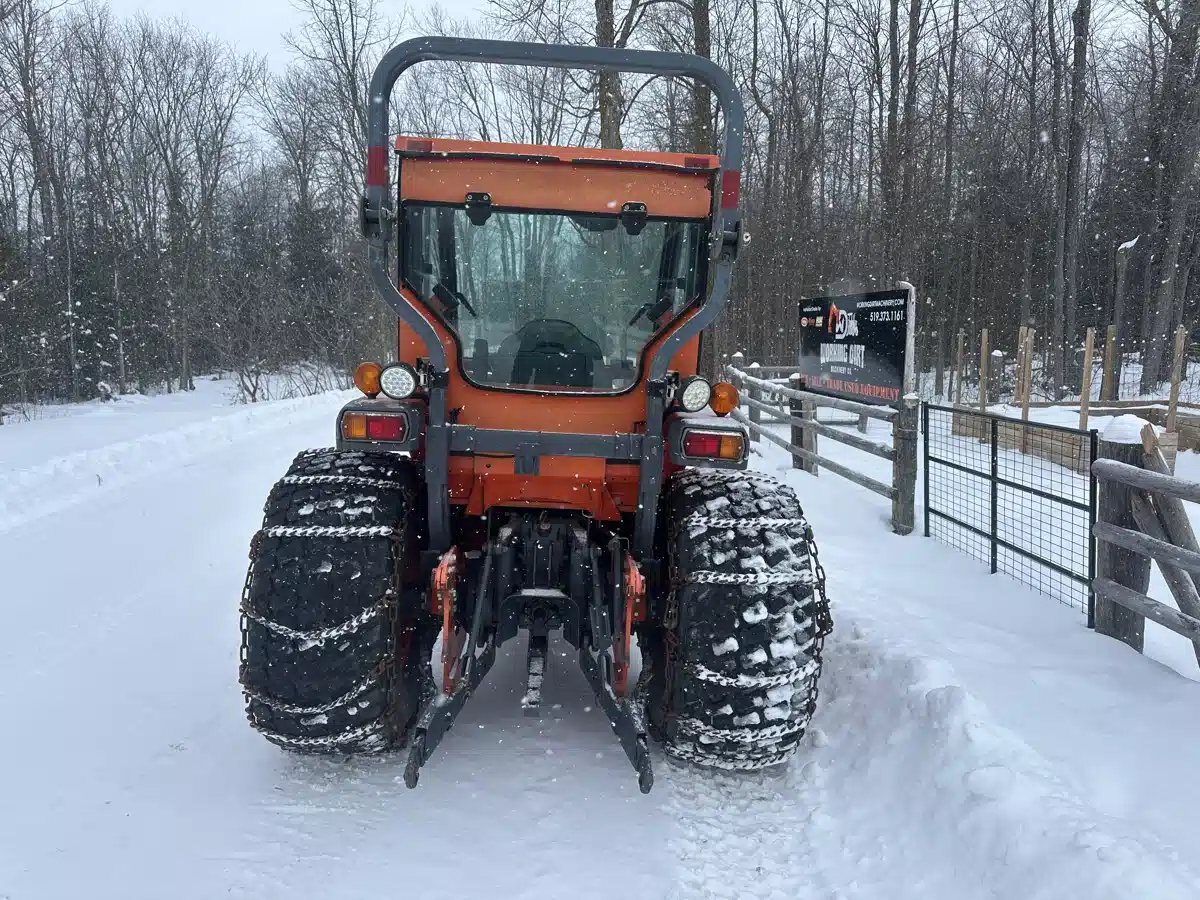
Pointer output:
x,y
410,347
605,491
555,185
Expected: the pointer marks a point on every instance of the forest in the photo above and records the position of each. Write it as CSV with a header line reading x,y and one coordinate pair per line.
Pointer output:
x,y
171,206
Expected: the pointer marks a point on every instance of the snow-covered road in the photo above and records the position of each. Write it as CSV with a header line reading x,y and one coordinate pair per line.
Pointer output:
x,y
973,740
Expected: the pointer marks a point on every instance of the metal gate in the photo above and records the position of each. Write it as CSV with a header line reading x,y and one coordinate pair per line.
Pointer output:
x,y
1016,495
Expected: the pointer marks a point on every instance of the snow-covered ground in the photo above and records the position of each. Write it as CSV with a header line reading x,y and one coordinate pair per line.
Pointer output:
x,y
973,740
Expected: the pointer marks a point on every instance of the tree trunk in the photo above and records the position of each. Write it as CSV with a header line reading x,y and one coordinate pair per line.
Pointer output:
x,y
890,170
1058,289
1180,143
702,125
1081,26
608,84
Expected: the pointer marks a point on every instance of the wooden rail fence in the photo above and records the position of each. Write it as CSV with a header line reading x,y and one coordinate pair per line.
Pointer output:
x,y
1142,518
798,409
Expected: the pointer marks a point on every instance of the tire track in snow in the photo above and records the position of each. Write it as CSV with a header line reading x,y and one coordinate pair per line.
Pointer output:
x,y
743,835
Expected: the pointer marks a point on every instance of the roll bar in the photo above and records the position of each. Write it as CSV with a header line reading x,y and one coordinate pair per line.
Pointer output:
x,y
378,218
377,211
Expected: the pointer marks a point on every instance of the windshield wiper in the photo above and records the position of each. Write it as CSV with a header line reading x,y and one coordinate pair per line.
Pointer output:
x,y
451,299
651,310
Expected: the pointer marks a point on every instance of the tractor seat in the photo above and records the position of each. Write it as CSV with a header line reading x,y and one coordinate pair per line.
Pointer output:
x,y
555,353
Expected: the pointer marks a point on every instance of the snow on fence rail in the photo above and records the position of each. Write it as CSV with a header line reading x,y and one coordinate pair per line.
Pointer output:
x,y
792,405
1142,518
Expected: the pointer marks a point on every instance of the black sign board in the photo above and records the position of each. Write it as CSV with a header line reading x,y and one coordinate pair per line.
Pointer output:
x,y
855,345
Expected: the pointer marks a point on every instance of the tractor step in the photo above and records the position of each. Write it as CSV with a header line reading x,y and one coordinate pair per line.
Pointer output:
x,y
535,667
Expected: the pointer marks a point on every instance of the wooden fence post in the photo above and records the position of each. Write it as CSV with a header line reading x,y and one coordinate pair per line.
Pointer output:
x,y
1019,388
983,370
961,369
1085,386
904,465
755,413
1126,568
1176,376
804,438
995,374
808,409
1025,363
1108,380
1174,521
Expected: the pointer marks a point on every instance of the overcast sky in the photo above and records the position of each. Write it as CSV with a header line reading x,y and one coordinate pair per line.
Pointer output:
x,y
253,25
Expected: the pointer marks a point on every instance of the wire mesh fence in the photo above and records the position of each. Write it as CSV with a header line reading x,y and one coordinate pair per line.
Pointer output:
x,y
1016,495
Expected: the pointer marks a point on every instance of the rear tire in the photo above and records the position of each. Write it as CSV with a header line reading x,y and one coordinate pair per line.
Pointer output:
x,y
734,683
335,657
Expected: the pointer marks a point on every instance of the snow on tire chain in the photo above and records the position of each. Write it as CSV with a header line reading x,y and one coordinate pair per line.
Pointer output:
x,y
130,771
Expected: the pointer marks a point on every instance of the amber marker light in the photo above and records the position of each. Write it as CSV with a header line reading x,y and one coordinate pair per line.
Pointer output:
x,y
366,378
724,399
354,426
731,447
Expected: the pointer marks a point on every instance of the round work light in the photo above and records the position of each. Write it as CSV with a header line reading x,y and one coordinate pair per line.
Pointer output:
x,y
694,394
398,381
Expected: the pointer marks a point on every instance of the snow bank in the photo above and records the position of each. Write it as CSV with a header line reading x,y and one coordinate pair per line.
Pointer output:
x,y
908,788
35,491
923,749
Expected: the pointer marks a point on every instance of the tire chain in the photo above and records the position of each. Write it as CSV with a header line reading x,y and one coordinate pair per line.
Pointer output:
x,y
383,673
708,577
763,682
824,626
824,618
718,762
349,626
327,531
739,735
356,480
760,522
357,733
275,703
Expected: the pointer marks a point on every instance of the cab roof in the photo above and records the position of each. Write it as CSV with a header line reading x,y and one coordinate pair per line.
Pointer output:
x,y
638,159
567,179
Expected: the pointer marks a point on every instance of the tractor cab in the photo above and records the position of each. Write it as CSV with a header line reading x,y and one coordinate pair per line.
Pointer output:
x,y
551,269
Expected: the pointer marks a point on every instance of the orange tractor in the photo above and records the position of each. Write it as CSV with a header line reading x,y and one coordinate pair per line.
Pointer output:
x,y
542,455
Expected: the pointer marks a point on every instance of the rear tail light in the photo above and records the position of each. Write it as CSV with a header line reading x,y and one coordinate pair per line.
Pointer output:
x,y
386,428
713,445
363,427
